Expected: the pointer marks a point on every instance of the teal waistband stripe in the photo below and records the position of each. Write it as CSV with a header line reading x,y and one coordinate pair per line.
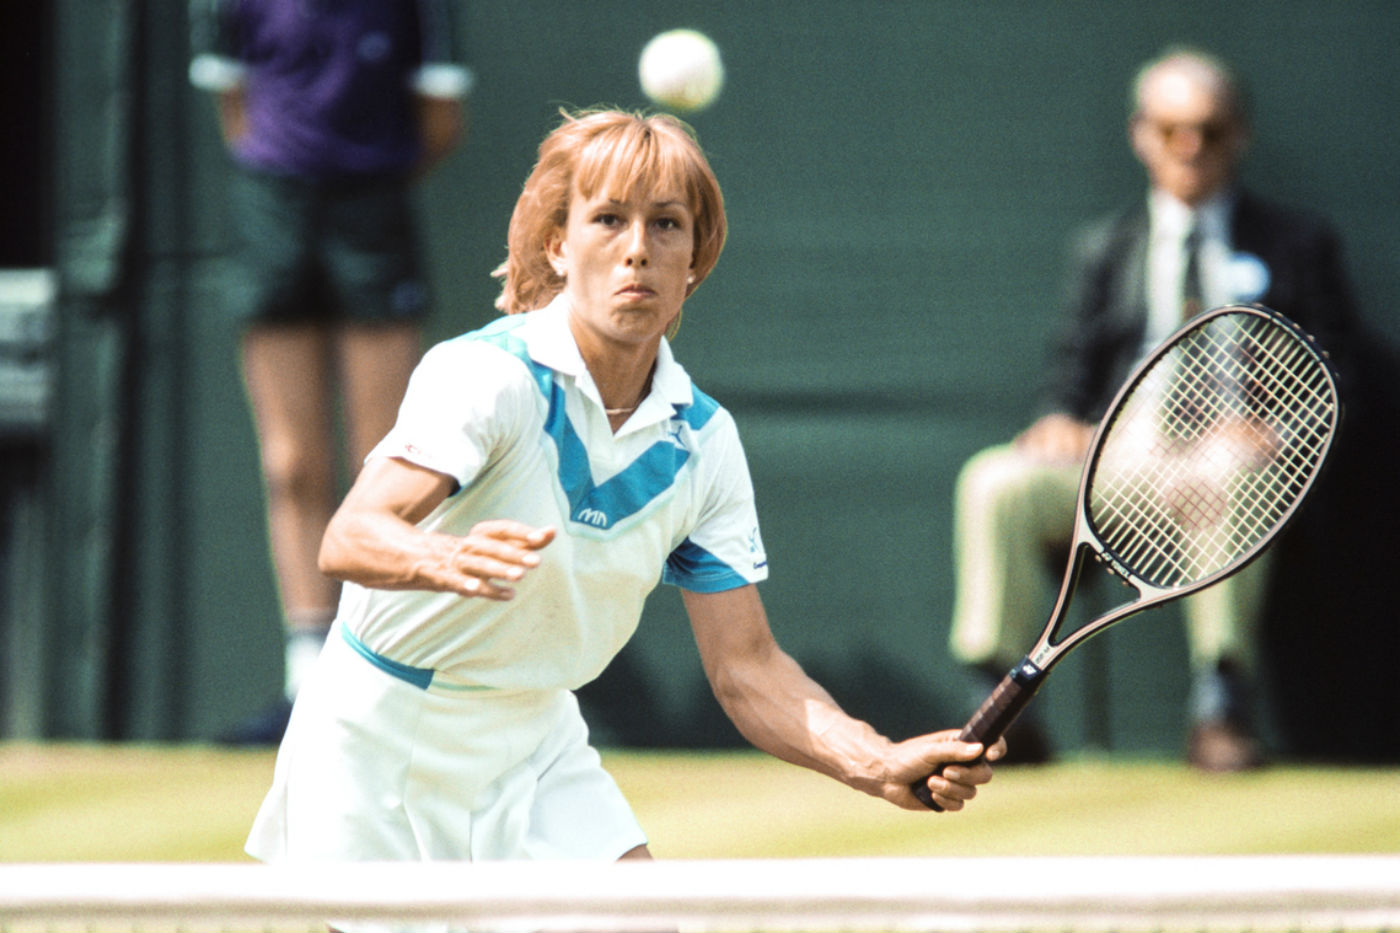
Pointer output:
x,y
420,677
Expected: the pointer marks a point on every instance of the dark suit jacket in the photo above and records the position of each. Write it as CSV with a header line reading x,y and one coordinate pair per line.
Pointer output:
x,y
1107,313
1329,612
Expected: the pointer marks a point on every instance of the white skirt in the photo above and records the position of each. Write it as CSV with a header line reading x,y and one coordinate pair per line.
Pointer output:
x,y
374,767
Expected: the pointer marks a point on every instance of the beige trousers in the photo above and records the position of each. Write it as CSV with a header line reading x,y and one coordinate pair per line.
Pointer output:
x,y
1011,511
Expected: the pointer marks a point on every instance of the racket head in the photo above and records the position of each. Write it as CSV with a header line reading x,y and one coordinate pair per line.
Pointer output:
x,y
1207,451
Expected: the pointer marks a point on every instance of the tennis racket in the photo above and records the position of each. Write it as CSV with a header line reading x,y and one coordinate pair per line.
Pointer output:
x,y
1205,453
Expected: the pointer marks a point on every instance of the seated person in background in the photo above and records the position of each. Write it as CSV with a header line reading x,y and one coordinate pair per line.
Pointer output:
x,y
1198,240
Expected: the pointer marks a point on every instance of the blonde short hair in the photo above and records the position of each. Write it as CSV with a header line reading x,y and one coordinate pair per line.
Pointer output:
x,y
592,151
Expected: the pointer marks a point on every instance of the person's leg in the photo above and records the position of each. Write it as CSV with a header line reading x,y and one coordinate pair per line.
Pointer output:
x,y
287,374
277,292
1010,512
1221,620
1221,626
375,361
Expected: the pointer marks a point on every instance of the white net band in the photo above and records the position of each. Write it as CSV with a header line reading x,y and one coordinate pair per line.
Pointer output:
x,y
1275,893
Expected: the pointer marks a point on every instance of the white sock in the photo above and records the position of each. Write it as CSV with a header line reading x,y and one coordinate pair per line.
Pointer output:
x,y
306,636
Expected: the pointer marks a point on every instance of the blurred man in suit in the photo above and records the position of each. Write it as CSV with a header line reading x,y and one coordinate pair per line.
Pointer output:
x,y
1197,240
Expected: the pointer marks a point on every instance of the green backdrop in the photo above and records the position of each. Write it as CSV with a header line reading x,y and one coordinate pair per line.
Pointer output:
x,y
901,176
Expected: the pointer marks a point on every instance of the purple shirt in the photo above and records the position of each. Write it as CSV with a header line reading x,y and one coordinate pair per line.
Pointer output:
x,y
328,84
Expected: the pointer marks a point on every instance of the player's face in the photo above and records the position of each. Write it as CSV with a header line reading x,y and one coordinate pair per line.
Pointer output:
x,y
626,261
1186,137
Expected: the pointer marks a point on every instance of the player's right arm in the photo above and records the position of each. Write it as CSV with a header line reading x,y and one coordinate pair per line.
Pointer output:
x,y
374,540
781,710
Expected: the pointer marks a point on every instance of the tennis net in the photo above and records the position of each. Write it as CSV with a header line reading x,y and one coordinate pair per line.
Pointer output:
x,y
1230,893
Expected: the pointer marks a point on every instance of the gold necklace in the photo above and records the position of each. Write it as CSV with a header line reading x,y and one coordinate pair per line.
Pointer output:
x,y
646,390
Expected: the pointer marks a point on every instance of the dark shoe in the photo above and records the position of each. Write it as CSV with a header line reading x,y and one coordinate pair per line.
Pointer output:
x,y
1222,748
264,728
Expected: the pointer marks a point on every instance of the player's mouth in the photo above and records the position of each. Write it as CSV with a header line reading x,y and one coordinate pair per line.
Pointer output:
x,y
635,291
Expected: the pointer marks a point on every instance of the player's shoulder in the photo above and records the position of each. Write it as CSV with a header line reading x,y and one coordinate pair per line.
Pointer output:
x,y
703,411
493,355
503,337
713,430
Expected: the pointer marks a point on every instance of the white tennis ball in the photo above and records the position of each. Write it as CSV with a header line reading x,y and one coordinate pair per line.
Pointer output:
x,y
681,70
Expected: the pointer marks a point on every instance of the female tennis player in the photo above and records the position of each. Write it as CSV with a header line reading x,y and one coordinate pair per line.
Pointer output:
x,y
545,472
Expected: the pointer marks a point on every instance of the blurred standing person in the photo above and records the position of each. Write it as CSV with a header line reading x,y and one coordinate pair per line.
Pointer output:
x,y
330,110
1197,240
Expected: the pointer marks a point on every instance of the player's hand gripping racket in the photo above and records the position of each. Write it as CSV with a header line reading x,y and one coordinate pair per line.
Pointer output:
x,y
1204,455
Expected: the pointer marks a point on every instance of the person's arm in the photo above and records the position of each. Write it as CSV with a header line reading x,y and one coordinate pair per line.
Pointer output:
x,y
442,86
1057,437
216,65
782,711
233,115
373,538
442,123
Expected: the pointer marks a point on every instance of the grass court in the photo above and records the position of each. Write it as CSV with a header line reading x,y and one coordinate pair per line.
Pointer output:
x,y
135,803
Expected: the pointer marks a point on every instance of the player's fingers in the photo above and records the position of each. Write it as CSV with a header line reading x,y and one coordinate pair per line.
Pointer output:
x,y
484,588
493,563
949,794
948,747
512,532
504,553
979,772
482,565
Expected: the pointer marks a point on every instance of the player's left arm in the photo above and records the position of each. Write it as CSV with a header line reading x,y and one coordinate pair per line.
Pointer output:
x,y
782,711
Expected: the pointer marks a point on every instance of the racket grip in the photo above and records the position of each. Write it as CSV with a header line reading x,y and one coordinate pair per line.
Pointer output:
x,y
993,717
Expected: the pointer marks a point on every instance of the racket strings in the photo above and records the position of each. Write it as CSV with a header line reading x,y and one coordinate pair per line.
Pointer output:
x,y
1211,450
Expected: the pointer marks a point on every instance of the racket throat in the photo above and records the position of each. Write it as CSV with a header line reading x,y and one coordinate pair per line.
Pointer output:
x,y
1005,703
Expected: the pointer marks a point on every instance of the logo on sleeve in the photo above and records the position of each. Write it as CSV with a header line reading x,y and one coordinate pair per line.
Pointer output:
x,y
756,550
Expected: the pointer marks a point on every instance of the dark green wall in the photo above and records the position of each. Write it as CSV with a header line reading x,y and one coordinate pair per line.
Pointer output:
x,y
900,178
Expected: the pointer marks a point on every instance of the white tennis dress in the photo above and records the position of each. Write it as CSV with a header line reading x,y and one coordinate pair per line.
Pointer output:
x,y
440,727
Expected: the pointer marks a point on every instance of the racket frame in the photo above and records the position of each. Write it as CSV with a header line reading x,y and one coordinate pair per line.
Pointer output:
x,y
1047,651
1010,696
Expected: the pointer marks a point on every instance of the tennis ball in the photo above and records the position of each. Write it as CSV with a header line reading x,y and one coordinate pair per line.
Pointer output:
x,y
680,69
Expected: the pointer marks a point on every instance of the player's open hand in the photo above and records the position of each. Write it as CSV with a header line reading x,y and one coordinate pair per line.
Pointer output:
x,y
494,554
954,769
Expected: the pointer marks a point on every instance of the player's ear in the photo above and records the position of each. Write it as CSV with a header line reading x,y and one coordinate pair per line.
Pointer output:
x,y
556,251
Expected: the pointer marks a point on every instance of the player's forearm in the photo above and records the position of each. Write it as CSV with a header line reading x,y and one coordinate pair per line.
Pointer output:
x,y
782,711
383,551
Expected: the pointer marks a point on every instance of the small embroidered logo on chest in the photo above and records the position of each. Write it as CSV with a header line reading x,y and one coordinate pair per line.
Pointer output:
x,y
595,517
